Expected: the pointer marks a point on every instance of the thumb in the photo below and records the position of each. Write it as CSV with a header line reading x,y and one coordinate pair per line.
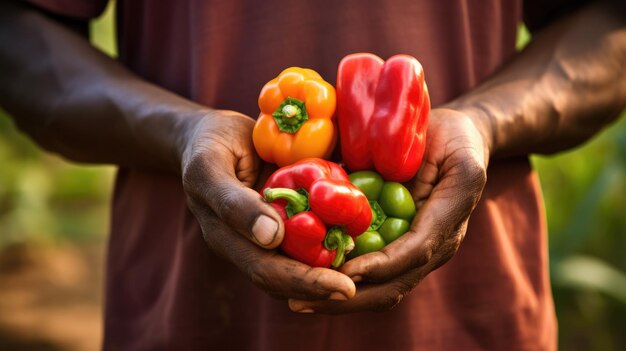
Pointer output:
x,y
212,182
244,210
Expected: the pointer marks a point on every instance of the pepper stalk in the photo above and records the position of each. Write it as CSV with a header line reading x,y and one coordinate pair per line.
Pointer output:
x,y
297,202
290,115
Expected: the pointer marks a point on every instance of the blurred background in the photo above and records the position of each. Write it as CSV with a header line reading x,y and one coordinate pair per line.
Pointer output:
x,y
54,222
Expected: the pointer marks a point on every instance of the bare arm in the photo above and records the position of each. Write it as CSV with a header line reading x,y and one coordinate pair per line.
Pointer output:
x,y
77,102
562,89
567,85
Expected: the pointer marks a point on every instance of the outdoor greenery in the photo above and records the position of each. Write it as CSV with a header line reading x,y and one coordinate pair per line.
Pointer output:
x,y
586,209
44,199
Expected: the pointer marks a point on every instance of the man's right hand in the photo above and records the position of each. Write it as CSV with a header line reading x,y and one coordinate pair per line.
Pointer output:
x,y
220,167
99,112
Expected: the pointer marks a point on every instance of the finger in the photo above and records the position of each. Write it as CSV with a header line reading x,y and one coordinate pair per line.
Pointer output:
x,y
436,232
211,179
283,277
424,183
276,274
411,250
369,297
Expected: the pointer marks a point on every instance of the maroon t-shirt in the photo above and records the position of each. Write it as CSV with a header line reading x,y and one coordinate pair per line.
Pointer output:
x,y
166,290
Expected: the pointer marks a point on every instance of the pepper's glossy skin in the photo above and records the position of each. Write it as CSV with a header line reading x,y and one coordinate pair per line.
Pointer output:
x,y
304,240
314,137
334,203
367,242
383,112
397,206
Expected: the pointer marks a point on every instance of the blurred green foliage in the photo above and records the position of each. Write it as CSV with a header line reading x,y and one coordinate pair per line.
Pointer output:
x,y
102,31
584,191
584,194
44,199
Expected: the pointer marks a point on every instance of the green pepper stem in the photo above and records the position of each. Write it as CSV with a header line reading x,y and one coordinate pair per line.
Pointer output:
x,y
290,115
297,202
378,216
337,240
290,111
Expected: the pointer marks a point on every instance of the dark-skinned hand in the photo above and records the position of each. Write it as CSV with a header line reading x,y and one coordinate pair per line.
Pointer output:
x,y
446,190
220,168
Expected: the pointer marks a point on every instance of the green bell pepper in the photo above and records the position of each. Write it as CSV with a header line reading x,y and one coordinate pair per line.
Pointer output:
x,y
392,207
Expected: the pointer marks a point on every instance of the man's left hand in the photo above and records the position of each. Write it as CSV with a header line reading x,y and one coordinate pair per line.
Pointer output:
x,y
446,190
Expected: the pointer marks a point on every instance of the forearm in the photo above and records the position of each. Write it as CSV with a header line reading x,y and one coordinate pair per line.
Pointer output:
x,y
562,89
75,101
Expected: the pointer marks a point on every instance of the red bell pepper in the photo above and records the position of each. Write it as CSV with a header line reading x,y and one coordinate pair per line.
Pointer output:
x,y
321,209
383,112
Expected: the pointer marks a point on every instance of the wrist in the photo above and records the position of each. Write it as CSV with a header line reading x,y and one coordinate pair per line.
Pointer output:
x,y
485,122
184,136
204,128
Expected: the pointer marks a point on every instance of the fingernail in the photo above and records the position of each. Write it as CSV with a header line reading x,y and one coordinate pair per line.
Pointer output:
x,y
356,278
264,230
299,306
336,295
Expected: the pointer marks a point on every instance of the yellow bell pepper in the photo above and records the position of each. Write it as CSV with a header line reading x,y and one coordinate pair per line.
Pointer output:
x,y
296,119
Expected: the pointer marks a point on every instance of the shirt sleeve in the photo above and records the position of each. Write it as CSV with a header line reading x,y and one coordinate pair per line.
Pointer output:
x,y
76,9
539,13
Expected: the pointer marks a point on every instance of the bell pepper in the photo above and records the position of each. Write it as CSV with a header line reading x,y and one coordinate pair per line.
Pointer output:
x,y
392,208
322,211
296,119
383,112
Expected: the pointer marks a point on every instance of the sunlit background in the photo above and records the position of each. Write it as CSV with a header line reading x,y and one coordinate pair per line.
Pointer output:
x,y
54,222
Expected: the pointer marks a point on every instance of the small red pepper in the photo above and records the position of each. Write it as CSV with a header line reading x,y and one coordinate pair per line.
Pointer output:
x,y
321,209
383,112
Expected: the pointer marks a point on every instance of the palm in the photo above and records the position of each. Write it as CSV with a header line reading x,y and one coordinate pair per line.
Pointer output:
x,y
446,189
453,170
452,177
220,169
